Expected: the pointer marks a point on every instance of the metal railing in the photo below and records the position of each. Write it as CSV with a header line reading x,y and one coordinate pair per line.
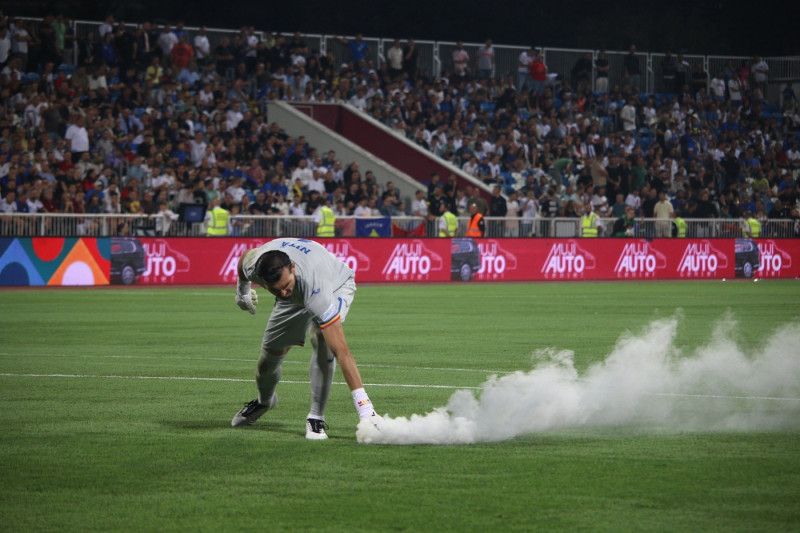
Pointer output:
x,y
111,225
435,57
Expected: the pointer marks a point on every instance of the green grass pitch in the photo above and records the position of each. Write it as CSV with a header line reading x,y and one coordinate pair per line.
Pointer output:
x,y
115,409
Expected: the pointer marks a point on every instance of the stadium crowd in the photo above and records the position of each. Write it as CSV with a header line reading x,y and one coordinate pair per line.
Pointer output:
x,y
149,118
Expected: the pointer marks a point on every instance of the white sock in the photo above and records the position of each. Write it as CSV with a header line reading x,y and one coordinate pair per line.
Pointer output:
x,y
362,403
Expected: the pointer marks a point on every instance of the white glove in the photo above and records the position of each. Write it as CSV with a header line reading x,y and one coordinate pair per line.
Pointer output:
x,y
246,298
376,420
369,430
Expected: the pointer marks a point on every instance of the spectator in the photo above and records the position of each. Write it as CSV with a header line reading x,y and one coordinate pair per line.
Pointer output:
x,y
166,41
419,207
460,62
581,73
632,70
498,206
602,69
202,47
358,48
394,60
624,225
181,54
760,73
669,70
410,61
663,211
484,60
523,74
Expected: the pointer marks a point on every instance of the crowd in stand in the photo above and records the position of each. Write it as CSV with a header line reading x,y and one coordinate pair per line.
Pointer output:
x,y
149,118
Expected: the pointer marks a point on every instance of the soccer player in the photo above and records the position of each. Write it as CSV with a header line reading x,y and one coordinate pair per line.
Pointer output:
x,y
313,293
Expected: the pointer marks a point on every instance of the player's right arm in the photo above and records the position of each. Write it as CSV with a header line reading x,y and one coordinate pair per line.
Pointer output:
x,y
246,297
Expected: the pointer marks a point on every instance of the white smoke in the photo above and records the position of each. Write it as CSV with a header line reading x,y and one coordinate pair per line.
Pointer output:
x,y
646,383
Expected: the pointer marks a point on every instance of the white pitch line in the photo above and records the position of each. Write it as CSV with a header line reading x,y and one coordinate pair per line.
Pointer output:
x,y
397,385
237,380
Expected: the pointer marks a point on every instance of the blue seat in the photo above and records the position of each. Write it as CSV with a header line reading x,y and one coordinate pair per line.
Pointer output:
x,y
68,69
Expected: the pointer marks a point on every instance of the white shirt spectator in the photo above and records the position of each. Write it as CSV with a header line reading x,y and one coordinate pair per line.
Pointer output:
x,y
362,210
359,101
529,207
78,138
34,205
166,41
104,28
760,71
304,173
470,167
317,183
8,207
419,207
628,116
735,90
297,209
202,48
197,151
717,87
8,74
19,44
206,97
236,192
164,219
233,118
97,82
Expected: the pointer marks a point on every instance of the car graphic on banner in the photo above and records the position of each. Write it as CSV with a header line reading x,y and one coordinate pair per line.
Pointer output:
x,y
746,257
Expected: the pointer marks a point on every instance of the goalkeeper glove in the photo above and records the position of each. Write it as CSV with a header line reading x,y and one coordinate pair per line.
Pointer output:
x,y
246,298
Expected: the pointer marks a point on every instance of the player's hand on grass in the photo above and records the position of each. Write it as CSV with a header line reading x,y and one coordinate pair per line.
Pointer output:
x,y
376,420
247,300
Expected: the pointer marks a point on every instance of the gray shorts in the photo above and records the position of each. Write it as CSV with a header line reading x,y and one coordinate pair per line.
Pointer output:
x,y
288,323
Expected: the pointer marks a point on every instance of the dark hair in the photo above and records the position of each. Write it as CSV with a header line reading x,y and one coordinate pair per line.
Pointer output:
x,y
269,266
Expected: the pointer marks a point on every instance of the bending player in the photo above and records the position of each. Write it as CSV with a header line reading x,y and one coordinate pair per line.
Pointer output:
x,y
313,293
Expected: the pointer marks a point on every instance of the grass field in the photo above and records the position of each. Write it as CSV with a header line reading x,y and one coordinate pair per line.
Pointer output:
x,y
115,409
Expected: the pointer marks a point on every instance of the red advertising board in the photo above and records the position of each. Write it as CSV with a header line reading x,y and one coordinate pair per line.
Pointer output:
x,y
608,259
214,260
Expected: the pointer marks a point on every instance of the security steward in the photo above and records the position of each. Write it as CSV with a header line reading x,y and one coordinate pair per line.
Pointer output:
x,y
678,226
590,222
752,227
477,226
326,220
217,219
448,223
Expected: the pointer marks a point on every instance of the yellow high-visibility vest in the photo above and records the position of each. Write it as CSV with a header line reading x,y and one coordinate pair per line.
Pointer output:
x,y
452,224
681,225
218,225
589,225
327,222
755,227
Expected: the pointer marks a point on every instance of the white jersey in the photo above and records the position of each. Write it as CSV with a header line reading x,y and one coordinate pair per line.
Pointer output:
x,y
318,274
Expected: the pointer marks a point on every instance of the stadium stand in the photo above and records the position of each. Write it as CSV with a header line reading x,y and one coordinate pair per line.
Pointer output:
x,y
118,119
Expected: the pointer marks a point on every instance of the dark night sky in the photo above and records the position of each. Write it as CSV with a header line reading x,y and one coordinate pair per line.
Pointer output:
x,y
719,27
